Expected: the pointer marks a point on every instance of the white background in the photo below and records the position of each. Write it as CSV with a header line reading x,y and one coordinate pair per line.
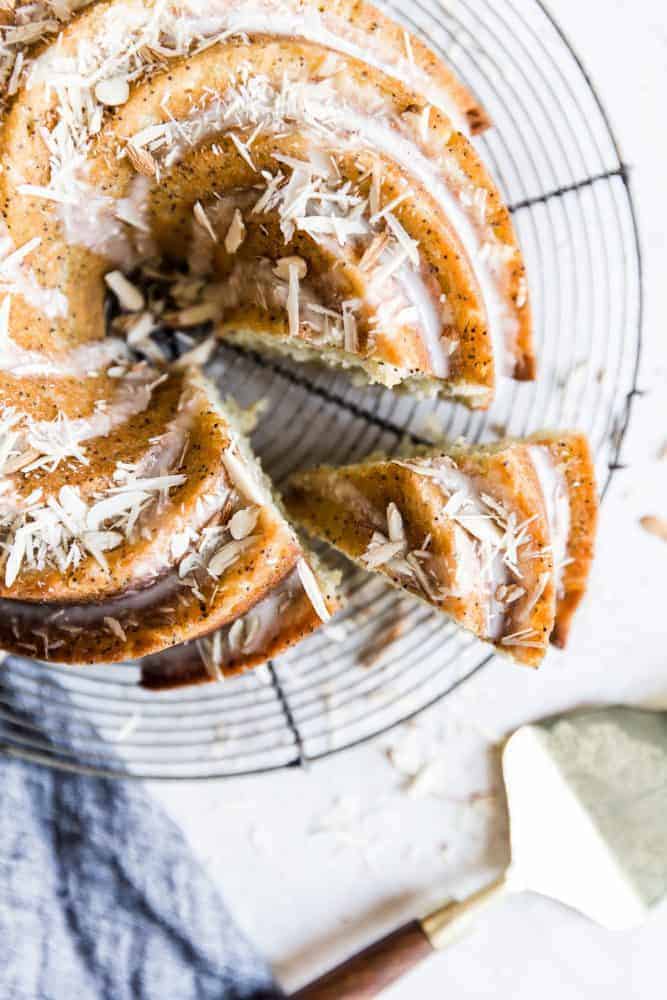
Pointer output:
x,y
315,864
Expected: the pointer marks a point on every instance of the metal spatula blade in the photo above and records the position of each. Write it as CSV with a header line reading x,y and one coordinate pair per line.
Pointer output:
x,y
587,795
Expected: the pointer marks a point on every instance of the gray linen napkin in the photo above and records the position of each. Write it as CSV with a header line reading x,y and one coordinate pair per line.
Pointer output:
x,y
101,897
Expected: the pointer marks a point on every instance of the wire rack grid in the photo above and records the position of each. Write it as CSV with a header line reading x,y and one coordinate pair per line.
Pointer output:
x,y
558,164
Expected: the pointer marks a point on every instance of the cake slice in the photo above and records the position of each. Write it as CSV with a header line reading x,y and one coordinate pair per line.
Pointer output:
x,y
499,538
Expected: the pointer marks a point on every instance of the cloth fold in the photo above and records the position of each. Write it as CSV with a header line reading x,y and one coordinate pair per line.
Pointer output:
x,y
101,897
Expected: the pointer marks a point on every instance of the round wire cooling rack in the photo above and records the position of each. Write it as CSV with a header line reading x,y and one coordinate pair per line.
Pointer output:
x,y
385,658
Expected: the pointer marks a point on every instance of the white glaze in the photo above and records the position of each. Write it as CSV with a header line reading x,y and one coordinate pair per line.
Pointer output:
x,y
430,326
285,19
557,502
80,362
97,222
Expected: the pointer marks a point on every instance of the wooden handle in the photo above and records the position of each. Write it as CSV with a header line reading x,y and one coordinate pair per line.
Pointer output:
x,y
372,970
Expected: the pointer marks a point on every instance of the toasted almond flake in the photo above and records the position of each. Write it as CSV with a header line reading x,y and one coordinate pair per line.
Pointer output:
x,y
508,594
379,554
129,296
524,637
390,206
142,161
253,625
286,265
522,643
115,628
406,242
227,555
103,510
312,589
243,150
428,586
102,541
180,543
425,122
376,188
408,48
242,478
203,220
197,356
15,258
655,526
140,328
374,251
148,483
236,232
194,315
350,339
15,560
188,564
112,92
534,597
293,300
235,635
395,523
210,652
243,522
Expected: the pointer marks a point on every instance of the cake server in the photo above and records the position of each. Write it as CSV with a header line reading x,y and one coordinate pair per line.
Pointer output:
x,y
587,797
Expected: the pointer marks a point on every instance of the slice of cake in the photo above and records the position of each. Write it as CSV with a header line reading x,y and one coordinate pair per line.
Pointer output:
x,y
499,538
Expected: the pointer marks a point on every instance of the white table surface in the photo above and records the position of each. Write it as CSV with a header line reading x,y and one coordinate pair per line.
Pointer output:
x,y
315,864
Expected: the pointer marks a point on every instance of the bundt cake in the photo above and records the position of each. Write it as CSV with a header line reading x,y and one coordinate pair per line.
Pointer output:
x,y
297,175
499,538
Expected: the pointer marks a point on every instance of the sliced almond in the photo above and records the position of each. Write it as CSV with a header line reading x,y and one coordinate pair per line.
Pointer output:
x,y
203,220
112,92
655,526
129,296
236,232
141,160
243,522
312,589
286,265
